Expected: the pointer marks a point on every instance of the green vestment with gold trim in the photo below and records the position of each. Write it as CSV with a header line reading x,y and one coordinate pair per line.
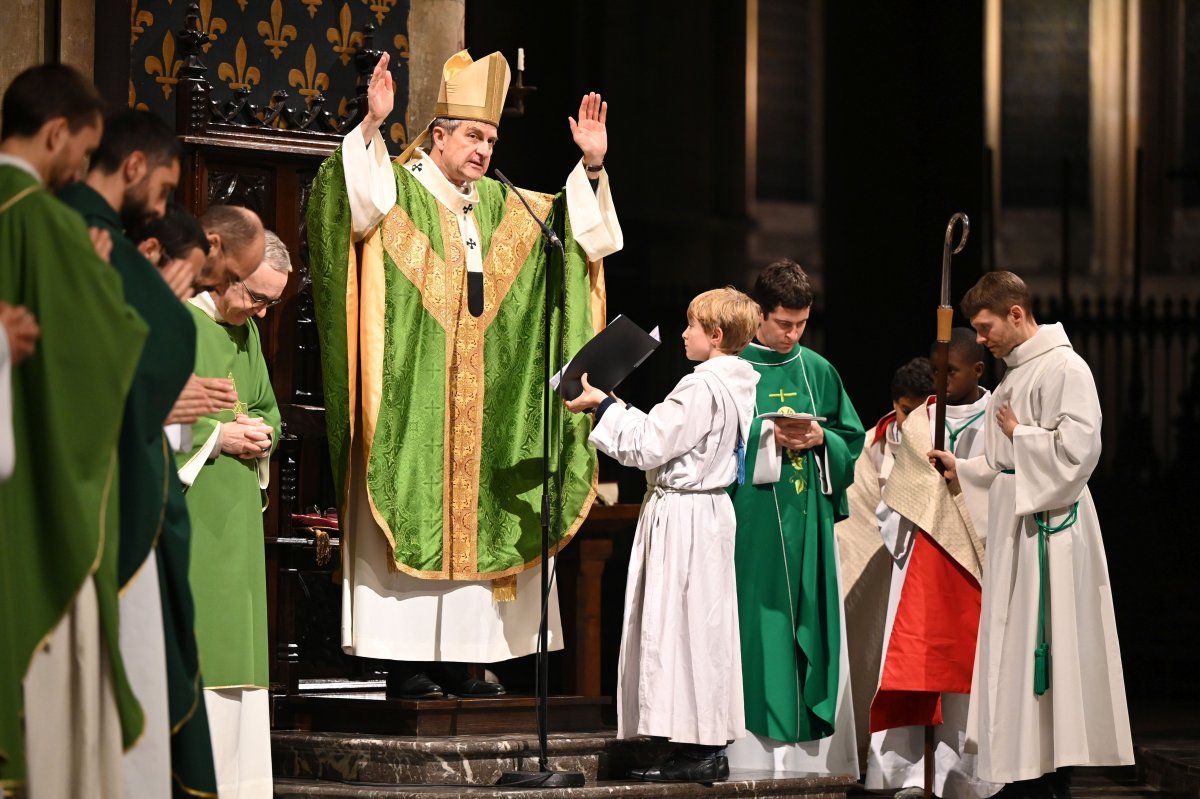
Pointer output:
x,y
60,508
789,602
449,405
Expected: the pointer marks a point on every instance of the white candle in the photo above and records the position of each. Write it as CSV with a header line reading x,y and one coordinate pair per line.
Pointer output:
x,y
520,59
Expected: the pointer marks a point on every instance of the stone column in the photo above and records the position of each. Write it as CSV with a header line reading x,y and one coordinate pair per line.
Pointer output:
x,y
435,32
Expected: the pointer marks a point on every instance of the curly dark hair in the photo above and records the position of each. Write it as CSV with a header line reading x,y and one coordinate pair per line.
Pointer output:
x,y
913,379
783,283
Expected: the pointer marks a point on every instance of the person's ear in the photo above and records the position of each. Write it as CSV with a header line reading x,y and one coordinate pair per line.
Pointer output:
x,y
151,250
1017,313
135,167
717,337
978,369
214,243
56,131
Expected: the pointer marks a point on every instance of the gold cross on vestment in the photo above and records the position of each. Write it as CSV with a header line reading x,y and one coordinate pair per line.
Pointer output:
x,y
783,395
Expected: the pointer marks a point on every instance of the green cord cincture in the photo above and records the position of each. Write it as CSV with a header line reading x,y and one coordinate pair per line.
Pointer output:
x,y
954,434
1041,655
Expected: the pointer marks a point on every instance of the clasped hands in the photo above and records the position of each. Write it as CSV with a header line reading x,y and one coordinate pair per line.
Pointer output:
x,y
246,438
798,434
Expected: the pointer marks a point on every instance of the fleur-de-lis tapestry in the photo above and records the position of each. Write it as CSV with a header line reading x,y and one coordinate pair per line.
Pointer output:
x,y
303,47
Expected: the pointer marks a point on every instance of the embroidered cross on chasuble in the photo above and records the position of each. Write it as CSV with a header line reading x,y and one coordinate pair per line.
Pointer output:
x,y
442,409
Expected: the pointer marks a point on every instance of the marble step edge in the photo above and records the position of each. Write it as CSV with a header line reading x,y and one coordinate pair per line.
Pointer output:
x,y
749,784
485,745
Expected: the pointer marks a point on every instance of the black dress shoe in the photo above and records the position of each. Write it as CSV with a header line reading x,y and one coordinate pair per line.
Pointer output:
x,y
456,681
475,689
680,768
415,686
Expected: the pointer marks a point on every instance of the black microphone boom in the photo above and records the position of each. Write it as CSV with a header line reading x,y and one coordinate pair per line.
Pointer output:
x,y
544,777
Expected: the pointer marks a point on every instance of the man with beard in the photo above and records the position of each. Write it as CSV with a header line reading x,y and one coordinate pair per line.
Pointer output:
x,y
58,576
133,172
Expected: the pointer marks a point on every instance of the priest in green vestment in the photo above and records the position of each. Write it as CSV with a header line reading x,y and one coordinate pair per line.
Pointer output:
x,y
227,471
131,176
794,666
438,447
60,507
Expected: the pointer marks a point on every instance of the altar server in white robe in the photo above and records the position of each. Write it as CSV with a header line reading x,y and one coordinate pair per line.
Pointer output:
x,y
680,674
1029,491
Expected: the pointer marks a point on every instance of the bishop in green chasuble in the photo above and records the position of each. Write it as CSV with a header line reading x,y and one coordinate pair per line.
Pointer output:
x,y
61,528
155,528
794,672
433,369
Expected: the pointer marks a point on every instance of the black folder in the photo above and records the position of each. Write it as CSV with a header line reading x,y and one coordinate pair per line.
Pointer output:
x,y
610,357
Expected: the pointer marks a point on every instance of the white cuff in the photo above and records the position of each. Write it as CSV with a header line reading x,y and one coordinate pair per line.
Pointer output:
x,y
370,182
209,451
7,441
179,436
768,460
594,222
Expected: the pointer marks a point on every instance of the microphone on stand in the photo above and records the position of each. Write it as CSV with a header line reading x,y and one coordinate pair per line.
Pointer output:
x,y
550,235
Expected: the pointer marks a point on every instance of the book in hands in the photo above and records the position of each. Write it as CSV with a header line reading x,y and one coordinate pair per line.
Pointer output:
x,y
799,417
610,357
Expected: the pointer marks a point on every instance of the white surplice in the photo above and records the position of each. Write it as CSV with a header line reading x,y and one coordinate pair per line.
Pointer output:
x,y
147,767
239,721
72,723
680,671
1083,718
392,615
896,756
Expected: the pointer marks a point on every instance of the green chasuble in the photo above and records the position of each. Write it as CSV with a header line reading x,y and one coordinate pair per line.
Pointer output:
x,y
790,607
153,514
226,500
60,508
448,406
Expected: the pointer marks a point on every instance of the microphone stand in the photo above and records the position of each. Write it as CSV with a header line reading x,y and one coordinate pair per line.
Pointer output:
x,y
544,777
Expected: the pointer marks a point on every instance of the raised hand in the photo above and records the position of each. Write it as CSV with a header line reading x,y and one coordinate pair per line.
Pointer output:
x,y
22,330
589,132
381,97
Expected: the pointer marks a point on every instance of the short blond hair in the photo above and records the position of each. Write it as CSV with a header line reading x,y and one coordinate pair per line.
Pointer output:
x,y
730,310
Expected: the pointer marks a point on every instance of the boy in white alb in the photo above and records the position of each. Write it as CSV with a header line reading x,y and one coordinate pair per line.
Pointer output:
x,y
680,666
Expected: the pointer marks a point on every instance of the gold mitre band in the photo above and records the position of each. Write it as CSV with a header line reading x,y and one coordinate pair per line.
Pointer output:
x,y
473,89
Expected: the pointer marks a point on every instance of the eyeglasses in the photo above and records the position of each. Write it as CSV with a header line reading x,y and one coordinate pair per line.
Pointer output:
x,y
257,300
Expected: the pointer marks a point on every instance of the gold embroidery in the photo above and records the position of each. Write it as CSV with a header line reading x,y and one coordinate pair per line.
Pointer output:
x,y
442,285
240,408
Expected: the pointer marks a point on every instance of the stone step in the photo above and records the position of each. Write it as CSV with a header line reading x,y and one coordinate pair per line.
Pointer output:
x,y
460,760
1171,765
372,711
740,784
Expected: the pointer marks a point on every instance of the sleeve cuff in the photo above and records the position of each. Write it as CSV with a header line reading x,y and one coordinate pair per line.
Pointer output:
x,y
208,451
593,216
602,407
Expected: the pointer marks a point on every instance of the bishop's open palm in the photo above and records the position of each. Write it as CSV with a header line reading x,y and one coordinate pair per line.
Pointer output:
x,y
589,132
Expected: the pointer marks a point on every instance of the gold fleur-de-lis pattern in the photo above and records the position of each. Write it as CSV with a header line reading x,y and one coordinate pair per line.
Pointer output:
x,y
139,20
380,8
214,25
304,46
238,75
276,33
310,82
345,41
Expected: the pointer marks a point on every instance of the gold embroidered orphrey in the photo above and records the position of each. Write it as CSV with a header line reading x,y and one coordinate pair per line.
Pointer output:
x,y
441,283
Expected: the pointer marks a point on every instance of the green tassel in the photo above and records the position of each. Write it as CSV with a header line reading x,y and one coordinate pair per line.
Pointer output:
x,y
1041,668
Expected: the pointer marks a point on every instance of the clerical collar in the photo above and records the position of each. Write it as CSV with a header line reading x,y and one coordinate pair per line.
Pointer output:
x,y
760,355
205,302
427,173
21,164
1047,337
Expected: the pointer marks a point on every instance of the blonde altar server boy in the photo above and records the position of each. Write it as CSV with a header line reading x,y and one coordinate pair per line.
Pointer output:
x,y
680,674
